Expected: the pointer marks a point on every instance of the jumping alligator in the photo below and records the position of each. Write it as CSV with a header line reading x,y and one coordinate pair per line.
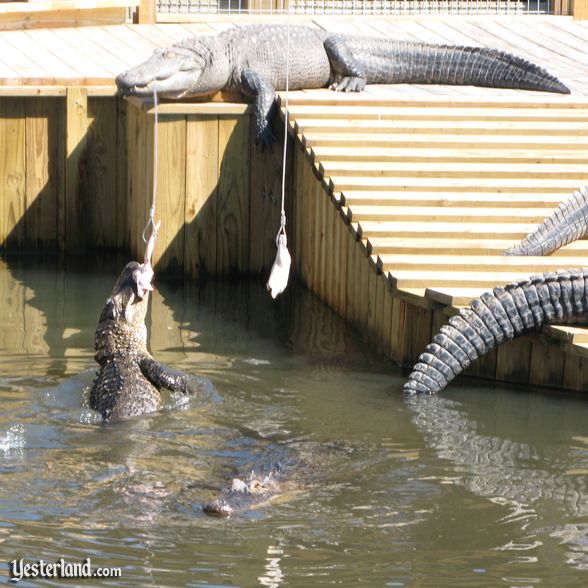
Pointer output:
x,y
129,379
253,60
567,223
554,298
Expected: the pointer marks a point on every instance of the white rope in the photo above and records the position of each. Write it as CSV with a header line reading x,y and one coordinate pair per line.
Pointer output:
x,y
151,220
283,212
278,279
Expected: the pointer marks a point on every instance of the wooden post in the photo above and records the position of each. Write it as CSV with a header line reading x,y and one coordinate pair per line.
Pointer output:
x,y
146,13
580,9
76,143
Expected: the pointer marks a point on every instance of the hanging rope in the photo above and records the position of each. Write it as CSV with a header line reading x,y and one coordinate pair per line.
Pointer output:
x,y
278,279
151,220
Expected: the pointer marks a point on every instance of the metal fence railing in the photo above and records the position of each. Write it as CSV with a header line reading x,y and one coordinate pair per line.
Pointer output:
x,y
363,7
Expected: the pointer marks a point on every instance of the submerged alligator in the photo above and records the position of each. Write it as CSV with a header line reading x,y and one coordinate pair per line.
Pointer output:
x,y
253,60
129,379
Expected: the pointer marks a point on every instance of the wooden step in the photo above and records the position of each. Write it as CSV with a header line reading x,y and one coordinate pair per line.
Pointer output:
x,y
379,96
472,263
447,230
500,200
482,154
408,140
427,246
434,113
338,183
455,279
455,215
465,127
506,171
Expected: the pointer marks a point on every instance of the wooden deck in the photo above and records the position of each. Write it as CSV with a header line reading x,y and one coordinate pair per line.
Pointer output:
x,y
404,196
93,55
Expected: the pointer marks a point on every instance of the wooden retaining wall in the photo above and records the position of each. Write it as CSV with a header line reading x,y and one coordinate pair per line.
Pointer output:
x,y
396,231
62,171
218,197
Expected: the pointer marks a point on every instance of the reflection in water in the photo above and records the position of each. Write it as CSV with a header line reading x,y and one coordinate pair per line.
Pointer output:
x,y
513,474
483,488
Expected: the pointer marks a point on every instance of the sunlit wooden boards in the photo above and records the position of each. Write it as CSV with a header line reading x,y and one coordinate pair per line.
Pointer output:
x,y
411,204
62,169
217,196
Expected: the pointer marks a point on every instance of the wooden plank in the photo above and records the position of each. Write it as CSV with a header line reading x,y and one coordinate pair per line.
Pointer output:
x,y
474,263
425,246
380,112
122,170
456,127
12,173
453,184
510,231
484,367
308,234
75,170
448,279
575,375
408,140
171,194
42,171
101,170
349,238
480,154
569,334
52,69
26,19
417,333
146,12
265,205
320,200
120,55
202,173
513,361
455,215
397,328
547,364
339,263
136,156
387,314
363,273
502,200
330,285
454,170
233,195
93,60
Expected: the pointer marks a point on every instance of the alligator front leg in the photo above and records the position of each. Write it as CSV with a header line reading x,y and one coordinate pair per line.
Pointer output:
x,y
348,73
258,87
162,376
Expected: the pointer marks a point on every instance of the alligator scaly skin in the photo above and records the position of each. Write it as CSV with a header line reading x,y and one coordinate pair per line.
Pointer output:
x,y
569,222
129,378
254,59
559,298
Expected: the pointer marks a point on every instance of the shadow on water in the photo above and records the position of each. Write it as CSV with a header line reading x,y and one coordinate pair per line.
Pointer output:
x,y
482,486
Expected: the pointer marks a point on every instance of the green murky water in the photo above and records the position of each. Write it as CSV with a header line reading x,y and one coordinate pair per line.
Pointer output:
x,y
481,486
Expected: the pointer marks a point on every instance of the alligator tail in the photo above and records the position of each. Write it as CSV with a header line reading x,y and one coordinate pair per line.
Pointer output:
x,y
496,317
406,62
567,223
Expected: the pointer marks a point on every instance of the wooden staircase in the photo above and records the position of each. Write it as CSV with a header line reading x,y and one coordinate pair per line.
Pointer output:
x,y
438,188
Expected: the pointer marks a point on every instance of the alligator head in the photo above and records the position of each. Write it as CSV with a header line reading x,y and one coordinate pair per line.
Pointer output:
x,y
130,294
184,69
